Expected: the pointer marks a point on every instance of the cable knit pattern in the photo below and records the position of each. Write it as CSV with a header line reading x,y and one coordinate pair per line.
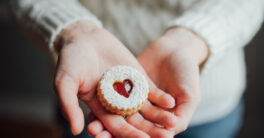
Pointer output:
x,y
226,25
49,17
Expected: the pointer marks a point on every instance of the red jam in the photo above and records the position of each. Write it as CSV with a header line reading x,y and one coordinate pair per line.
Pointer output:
x,y
123,88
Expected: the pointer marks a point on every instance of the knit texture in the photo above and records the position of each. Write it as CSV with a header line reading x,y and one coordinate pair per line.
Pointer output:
x,y
49,17
223,24
226,26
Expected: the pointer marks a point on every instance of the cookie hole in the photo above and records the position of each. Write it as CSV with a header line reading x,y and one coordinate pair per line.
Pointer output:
x,y
123,88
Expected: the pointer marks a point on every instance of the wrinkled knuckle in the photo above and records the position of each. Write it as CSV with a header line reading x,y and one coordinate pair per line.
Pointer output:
x,y
57,80
173,122
119,127
60,80
166,117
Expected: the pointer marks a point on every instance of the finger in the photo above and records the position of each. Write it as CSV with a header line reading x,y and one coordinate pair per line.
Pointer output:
x,y
115,124
159,97
67,93
183,112
158,115
104,134
187,93
139,122
95,127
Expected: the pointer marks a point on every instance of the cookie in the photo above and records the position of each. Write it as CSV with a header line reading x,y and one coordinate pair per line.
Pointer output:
x,y
122,90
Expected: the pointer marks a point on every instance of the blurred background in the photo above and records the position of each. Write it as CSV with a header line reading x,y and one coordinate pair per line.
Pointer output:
x,y
27,100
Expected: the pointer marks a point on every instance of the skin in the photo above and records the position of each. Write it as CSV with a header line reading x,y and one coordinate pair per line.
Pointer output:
x,y
84,53
176,58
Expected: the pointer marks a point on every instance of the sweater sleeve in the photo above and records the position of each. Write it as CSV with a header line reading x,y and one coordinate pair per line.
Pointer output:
x,y
47,18
223,24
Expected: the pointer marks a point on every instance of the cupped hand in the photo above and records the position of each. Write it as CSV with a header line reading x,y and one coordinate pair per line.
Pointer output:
x,y
172,62
85,52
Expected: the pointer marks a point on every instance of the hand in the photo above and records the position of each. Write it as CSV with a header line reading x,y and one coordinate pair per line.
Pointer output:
x,y
175,59
85,52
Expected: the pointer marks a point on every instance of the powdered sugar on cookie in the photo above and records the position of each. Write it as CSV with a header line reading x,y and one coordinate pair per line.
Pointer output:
x,y
139,88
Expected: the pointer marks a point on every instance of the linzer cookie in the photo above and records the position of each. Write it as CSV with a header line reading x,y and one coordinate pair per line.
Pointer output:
x,y
122,90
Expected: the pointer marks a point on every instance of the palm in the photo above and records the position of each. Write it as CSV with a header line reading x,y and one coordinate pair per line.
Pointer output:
x,y
85,65
175,76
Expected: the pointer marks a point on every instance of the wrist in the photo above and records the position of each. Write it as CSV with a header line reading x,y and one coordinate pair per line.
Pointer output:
x,y
186,40
72,33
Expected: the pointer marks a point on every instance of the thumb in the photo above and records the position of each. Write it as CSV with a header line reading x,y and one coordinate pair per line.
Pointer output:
x,y
67,90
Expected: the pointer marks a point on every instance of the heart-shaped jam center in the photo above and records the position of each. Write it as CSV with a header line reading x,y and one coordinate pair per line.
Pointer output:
x,y
123,88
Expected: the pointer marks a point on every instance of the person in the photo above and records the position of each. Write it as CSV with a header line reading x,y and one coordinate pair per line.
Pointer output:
x,y
191,52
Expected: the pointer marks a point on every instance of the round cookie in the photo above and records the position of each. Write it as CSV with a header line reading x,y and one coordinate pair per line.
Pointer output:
x,y
122,90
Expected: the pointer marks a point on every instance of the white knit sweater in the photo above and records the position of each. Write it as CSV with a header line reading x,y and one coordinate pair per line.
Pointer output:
x,y
226,25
